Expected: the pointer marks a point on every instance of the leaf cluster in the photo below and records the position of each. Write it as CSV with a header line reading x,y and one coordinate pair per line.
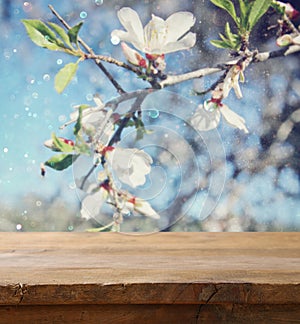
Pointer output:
x,y
55,38
69,153
250,11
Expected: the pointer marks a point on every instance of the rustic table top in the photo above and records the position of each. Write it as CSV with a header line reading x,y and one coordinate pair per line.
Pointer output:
x,y
99,268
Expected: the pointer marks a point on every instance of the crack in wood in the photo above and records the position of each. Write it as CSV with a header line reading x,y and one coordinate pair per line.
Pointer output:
x,y
210,297
19,291
182,291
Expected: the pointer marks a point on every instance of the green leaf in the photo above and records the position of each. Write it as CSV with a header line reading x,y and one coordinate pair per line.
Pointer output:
x,y
228,6
230,36
61,33
64,76
73,33
105,228
279,8
244,12
61,145
258,9
41,34
220,44
140,128
78,125
61,161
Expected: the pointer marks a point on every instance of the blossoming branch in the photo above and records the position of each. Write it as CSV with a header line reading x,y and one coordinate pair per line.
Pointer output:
x,y
98,129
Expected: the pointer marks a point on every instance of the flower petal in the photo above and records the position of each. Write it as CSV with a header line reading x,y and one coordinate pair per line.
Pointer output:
x,y
132,23
178,24
233,119
184,43
143,207
237,90
91,204
203,120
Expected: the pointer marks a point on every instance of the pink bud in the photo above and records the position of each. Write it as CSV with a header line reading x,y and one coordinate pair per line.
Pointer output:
x,y
133,56
67,141
43,170
289,10
50,144
132,200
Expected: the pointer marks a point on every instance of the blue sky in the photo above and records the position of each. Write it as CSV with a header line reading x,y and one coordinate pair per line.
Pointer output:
x,y
31,110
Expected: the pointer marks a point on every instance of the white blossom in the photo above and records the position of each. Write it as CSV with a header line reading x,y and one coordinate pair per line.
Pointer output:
x,y
92,203
159,36
204,120
208,116
142,207
96,122
129,165
89,114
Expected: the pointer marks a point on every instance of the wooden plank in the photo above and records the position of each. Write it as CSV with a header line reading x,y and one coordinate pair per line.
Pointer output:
x,y
164,268
151,314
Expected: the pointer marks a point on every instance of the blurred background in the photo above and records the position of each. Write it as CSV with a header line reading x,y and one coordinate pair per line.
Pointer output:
x,y
219,181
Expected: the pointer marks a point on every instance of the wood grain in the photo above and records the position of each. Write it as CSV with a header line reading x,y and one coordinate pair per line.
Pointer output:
x,y
212,277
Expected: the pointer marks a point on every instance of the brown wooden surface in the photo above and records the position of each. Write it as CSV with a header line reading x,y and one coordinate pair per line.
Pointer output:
x,y
174,277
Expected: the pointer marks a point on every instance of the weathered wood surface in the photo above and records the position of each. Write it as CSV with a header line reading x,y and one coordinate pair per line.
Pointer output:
x,y
159,278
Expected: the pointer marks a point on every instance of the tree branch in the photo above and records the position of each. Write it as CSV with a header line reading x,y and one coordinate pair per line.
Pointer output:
x,y
260,57
91,52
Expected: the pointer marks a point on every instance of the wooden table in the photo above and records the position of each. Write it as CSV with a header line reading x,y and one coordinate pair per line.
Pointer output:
x,y
159,278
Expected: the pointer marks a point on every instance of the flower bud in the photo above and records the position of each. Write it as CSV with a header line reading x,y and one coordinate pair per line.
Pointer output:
x,y
289,10
284,40
50,144
133,56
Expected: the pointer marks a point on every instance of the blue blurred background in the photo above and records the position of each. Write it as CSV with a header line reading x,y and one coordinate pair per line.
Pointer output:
x,y
262,170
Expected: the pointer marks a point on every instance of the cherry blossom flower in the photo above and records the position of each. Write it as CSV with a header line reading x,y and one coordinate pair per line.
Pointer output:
x,y
159,36
141,207
123,201
92,203
96,122
129,165
89,114
208,116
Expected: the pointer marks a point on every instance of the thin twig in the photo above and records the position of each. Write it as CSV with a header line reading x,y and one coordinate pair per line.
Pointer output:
x,y
90,50
135,107
111,60
87,175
